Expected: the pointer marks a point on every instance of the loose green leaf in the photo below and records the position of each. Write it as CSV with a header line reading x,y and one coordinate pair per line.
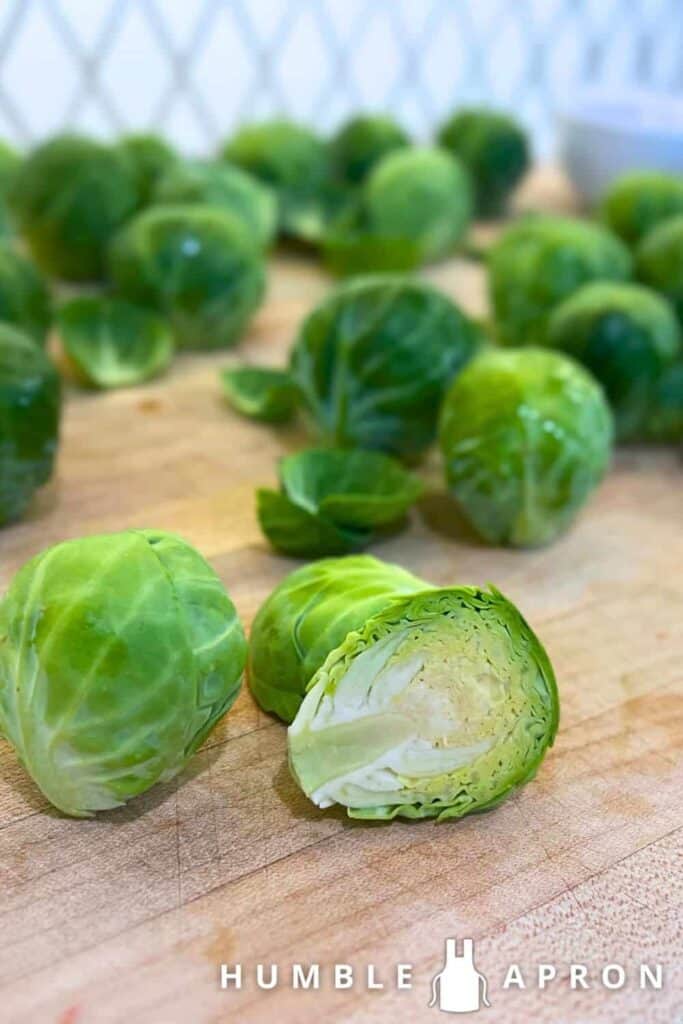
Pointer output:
x,y
335,501
113,344
260,393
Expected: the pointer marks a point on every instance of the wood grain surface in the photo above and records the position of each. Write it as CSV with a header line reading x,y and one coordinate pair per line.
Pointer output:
x,y
127,917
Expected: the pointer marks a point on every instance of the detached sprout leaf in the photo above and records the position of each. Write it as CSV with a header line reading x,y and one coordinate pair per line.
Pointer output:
x,y
113,344
120,653
335,501
373,361
260,393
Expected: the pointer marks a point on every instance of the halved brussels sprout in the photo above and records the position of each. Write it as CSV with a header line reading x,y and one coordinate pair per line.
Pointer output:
x,y
627,336
118,655
659,261
149,157
495,150
333,501
224,186
113,344
261,393
440,705
639,201
361,142
541,260
194,264
24,295
309,614
29,421
374,359
526,436
72,195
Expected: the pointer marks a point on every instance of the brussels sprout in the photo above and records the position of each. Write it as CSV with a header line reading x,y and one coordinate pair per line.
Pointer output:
x,y
639,201
495,150
309,614
149,157
540,261
24,296
70,198
659,261
260,393
196,265
333,501
118,655
29,421
287,156
373,361
526,436
112,344
361,142
226,187
627,336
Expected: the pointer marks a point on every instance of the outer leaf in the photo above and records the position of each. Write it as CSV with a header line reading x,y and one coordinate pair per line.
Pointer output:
x,y
260,393
308,615
295,531
113,344
119,653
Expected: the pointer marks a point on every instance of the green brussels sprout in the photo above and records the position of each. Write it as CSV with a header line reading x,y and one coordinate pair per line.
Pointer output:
x,y
361,142
419,702
197,266
149,157
112,344
374,359
334,501
627,336
421,194
29,421
495,150
227,187
310,614
637,202
72,195
540,261
287,156
261,393
118,655
24,296
659,261
526,435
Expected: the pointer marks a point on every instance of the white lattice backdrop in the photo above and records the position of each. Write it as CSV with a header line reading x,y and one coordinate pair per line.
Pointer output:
x,y
193,68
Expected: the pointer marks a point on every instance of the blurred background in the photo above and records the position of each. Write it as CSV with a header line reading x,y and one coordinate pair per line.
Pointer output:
x,y
193,69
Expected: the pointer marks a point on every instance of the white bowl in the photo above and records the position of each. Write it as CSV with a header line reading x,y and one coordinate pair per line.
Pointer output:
x,y
604,134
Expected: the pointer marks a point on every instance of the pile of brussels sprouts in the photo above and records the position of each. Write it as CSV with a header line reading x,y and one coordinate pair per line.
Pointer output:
x,y
119,653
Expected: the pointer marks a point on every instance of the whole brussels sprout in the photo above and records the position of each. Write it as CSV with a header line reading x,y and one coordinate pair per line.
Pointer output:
x,y
118,655
639,201
627,336
659,261
420,702
374,359
289,157
227,187
70,198
149,157
361,142
526,436
495,150
419,194
24,296
29,421
196,265
540,261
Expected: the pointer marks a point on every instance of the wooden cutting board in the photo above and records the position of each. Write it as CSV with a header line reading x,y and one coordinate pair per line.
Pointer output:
x,y
128,917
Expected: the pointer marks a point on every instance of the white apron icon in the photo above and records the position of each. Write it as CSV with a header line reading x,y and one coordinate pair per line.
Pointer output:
x,y
460,986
